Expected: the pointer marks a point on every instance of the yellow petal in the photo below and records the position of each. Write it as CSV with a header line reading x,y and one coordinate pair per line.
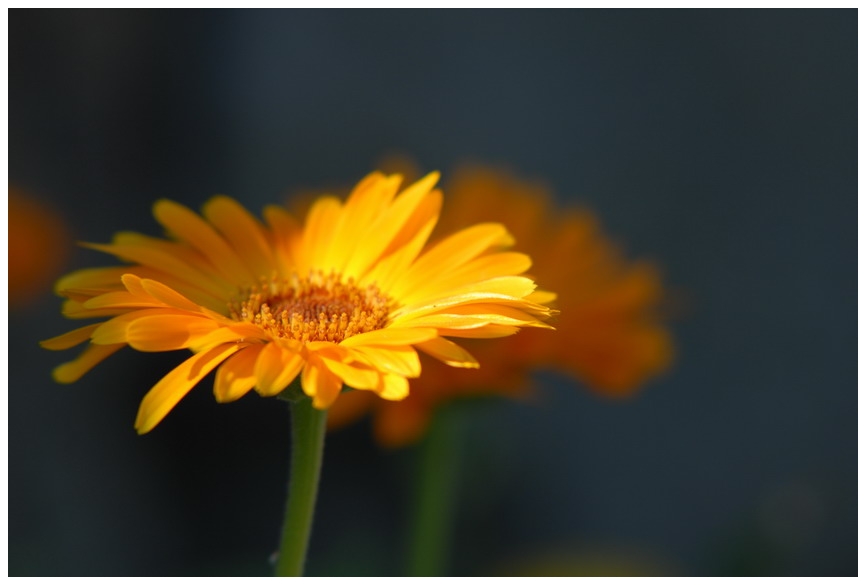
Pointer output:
x,y
448,352
121,300
287,235
509,290
167,332
357,375
451,253
74,309
378,236
320,384
165,294
393,387
243,231
481,331
389,270
275,368
414,197
542,297
175,385
92,278
191,228
236,375
475,275
470,315
165,262
115,330
72,371
391,336
71,339
319,236
365,207
401,360
237,332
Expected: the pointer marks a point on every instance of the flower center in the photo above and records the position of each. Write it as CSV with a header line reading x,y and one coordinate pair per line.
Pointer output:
x,y
314,308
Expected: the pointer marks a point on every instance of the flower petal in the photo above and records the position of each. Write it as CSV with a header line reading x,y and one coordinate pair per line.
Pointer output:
x,y
167,332
448,352
451,253
393,387
236,376
391,336
320,384
72,371
70,339
275,368
175,385
243,231
164,294
380,237
396,359
191,228
287,235
318,236
359,376
115,330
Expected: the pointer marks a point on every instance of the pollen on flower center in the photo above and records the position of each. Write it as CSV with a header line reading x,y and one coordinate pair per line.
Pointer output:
x,y
314,308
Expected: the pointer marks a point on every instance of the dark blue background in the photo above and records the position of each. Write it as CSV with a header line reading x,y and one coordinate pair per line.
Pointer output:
x,y
722,144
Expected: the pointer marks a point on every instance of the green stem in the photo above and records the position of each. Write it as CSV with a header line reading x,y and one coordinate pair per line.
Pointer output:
x,y
308,440
435,497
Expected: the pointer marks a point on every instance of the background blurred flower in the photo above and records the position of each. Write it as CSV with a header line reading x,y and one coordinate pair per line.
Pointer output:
x,y
610,331
39,244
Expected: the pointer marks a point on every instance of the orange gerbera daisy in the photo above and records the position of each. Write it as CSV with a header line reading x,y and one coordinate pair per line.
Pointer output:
x,y
610,334
347,298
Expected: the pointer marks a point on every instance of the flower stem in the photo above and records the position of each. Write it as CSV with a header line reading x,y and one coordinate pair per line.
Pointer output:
x,y
433,511
308,440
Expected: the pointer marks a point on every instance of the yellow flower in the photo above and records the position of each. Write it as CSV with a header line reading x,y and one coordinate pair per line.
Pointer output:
x,y
610,334
347,298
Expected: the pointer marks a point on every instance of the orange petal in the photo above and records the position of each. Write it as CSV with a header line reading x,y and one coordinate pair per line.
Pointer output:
x,y
236,376
115,330
72,371
243,231
238,332
393,387
71,339
397,359
320,384
167,332
175,385
451,253
287,234
379,235
358,376
318,236
163,261
166,295
391,336
190,227
448,352
275,368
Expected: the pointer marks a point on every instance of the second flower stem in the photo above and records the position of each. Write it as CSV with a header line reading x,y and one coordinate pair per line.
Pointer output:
x,y
435,497
308,439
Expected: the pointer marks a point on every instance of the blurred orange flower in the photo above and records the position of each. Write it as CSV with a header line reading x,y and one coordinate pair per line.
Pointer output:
x,y
38,247
610,334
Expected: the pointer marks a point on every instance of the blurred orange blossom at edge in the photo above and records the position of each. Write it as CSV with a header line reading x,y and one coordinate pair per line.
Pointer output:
x,y
610,331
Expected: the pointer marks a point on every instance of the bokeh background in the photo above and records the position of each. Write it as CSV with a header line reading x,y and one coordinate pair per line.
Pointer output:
x,y
720,144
